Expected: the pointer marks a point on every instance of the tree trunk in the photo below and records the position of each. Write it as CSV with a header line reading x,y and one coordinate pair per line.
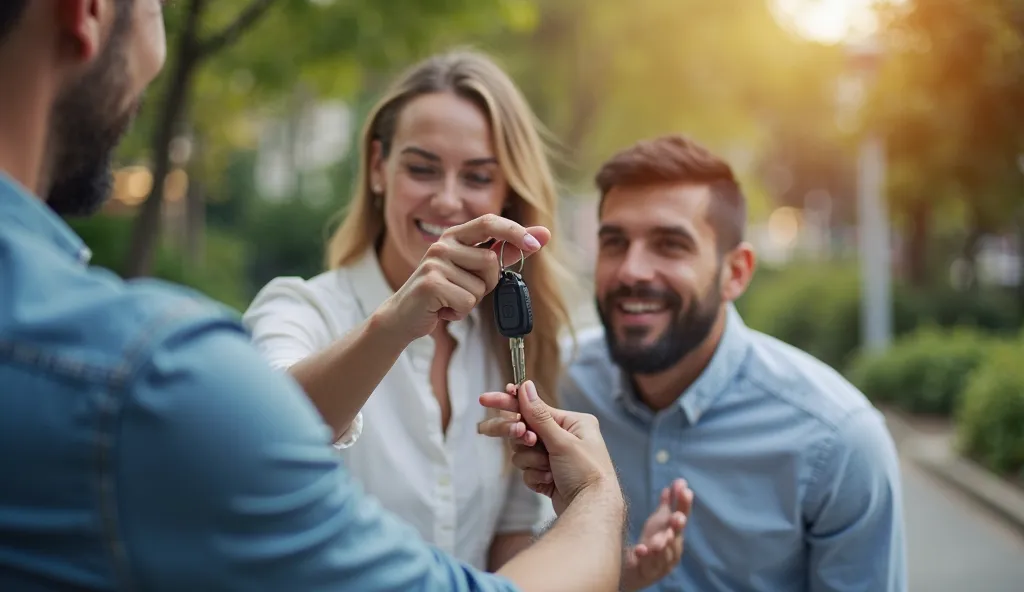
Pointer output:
x,y
917,247
586,95
195,224
970,253
1020,258
191,51
146,232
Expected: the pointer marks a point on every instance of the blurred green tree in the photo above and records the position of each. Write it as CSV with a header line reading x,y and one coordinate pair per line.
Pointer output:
x,y
950,97
330,47
602,74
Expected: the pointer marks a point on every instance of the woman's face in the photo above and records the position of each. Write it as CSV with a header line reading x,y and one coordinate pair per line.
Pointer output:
x,y
442,171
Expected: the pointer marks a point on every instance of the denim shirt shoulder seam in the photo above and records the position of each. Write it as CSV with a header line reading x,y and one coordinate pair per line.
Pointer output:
x,y
105,442
26,354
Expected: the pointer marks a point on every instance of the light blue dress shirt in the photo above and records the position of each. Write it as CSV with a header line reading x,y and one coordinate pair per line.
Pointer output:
x,y
147,446
795,477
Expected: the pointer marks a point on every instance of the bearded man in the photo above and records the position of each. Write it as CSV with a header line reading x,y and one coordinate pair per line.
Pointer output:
x,y
795,478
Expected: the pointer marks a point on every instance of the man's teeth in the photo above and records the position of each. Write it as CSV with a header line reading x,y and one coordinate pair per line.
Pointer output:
x,y
434,229
641,307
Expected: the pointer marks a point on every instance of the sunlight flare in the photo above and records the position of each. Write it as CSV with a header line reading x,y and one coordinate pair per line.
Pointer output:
x,y
829,21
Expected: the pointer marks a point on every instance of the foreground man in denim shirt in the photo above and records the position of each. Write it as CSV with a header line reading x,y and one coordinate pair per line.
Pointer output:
x,y
146,445
795,477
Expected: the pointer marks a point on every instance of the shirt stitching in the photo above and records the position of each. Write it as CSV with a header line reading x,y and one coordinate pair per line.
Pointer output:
x,y
110,408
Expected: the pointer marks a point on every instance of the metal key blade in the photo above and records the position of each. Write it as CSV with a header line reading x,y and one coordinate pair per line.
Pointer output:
x,y
518,360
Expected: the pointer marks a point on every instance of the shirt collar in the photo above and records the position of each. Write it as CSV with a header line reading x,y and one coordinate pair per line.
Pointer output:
x,y
725,364
18,206
371,289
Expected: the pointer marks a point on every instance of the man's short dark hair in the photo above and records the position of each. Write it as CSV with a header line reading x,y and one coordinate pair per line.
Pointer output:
x,y
678,159
10,13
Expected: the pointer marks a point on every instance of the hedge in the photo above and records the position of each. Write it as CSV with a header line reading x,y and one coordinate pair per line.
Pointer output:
x,y
817,309
924,372
990,423
221,278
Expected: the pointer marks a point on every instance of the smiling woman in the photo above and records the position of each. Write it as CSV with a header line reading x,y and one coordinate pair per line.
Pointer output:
x,y
452,147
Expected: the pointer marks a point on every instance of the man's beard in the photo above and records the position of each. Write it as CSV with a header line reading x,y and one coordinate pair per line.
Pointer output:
x,y
88,123
686,332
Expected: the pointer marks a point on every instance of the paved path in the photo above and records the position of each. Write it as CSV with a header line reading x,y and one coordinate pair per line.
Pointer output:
x,y
952,544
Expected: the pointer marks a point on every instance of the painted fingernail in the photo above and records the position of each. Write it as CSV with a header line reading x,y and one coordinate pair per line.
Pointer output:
x,y
531,391
531,242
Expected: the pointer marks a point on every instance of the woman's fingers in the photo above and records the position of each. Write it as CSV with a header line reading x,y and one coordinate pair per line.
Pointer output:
x,y
492,226
482,263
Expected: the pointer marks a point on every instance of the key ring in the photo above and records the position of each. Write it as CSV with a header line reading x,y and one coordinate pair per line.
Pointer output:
x,y
501,258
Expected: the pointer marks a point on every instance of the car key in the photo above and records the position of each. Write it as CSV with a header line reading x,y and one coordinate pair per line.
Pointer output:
x,y
514,314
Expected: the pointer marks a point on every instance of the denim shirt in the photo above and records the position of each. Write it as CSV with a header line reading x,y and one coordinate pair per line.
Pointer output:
x,y
795,477
147,446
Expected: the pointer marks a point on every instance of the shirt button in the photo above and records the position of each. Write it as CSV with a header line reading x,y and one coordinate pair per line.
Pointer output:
x,y
443,481
661,457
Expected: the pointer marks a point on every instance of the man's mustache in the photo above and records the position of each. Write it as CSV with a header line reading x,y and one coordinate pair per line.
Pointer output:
x,y
642,291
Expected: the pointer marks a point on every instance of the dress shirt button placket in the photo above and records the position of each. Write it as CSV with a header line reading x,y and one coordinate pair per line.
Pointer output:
x,y
444,527
663,467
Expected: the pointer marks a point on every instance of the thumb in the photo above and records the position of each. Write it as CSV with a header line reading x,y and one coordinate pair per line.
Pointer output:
x,y
539,417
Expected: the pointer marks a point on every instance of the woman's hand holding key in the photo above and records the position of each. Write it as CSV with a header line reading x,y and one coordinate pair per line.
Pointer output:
x,y
455,274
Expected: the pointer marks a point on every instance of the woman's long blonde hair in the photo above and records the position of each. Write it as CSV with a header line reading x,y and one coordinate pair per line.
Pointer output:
x,y
523,157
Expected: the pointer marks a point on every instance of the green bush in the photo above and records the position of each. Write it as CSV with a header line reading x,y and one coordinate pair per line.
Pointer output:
x,y
990,423
816,308
221,278
993,310
923,372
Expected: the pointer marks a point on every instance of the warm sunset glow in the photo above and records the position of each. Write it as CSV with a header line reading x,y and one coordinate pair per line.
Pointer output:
x,y
829,21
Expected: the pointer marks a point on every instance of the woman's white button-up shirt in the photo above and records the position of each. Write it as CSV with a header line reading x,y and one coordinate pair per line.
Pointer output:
x,y
457,488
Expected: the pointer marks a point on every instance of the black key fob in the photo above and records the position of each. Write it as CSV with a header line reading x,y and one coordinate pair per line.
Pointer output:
x,y
512,309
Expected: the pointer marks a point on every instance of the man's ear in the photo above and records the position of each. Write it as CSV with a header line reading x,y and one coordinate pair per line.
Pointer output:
x,y
85,23
737,271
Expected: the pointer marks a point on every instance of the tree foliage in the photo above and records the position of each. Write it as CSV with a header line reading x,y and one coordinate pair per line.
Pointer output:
x,y
950,98
243,55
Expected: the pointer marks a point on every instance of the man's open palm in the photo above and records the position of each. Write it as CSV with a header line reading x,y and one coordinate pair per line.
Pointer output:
x,y
661,542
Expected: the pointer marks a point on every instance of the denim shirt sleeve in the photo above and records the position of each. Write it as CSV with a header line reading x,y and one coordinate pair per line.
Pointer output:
x,y
225,480
855,534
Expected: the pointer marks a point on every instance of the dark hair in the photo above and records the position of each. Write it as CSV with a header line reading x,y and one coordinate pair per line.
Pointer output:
x,y
10,14
678,159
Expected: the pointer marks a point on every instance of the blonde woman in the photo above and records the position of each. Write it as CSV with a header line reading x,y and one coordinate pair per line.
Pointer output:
x,y
449,158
